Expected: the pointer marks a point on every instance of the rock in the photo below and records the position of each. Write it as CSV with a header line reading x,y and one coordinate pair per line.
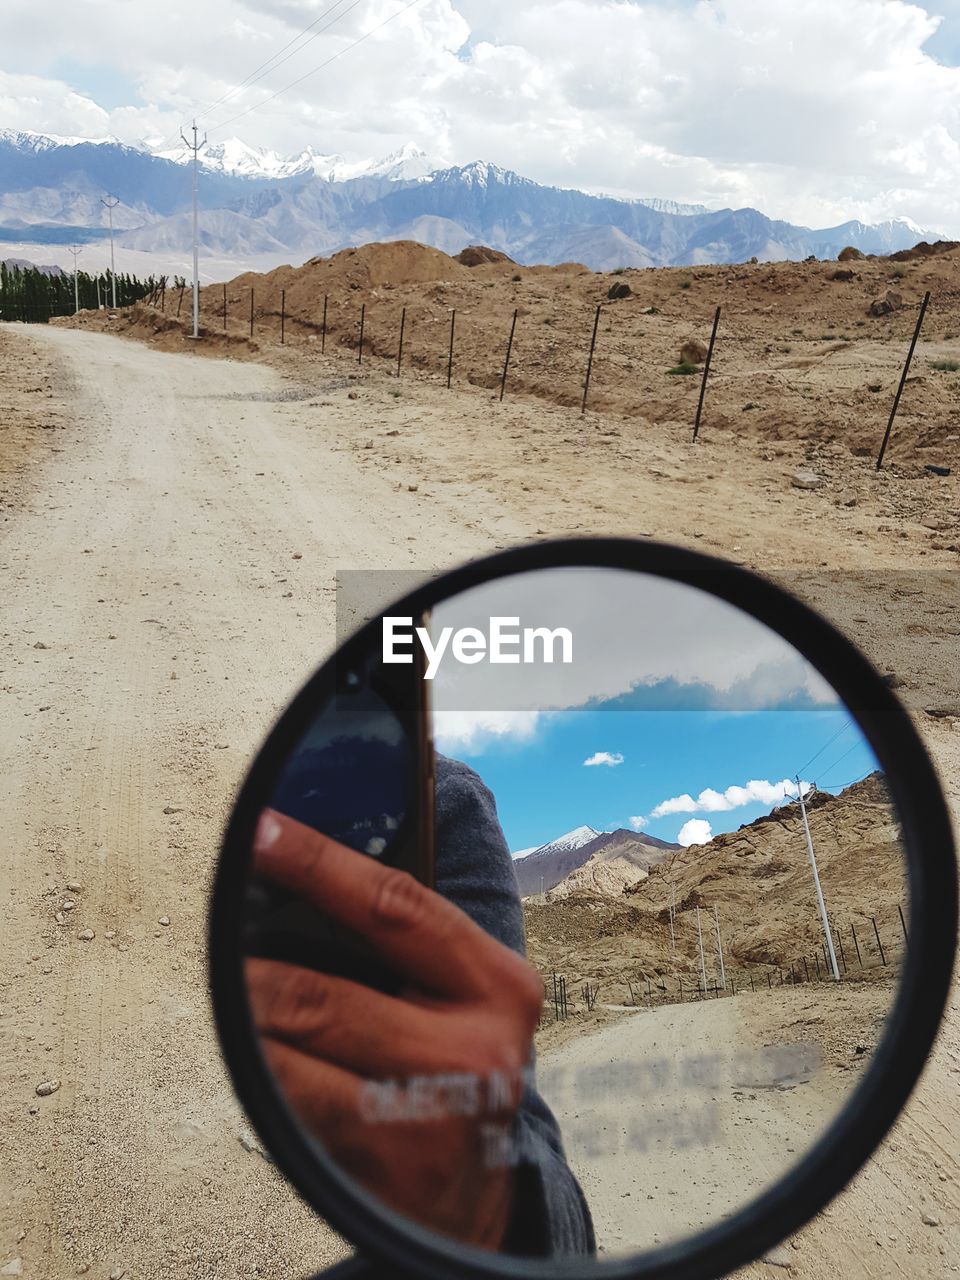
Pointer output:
x,y
930,1220
931,467
806,480
778,1257
74,886
165,920
68,904
41,645
169,808
249,1142
883,306
842,275
353,395
47,1087
298,555
619,289
86,935
693,352
118,1273
849,254
12,1268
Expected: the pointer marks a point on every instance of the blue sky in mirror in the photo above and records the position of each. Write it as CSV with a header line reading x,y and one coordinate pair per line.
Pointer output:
x,y
658,771
813,111
680,715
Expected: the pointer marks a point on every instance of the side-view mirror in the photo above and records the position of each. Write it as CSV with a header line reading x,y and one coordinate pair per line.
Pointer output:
x,y
592,909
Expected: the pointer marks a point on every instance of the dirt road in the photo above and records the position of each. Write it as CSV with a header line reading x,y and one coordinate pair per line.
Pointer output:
x,y
154,622
156,617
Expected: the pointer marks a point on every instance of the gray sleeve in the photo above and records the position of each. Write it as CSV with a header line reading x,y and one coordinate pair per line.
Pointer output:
x,y
475,871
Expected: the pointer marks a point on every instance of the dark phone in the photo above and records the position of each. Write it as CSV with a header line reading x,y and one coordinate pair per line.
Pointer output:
x,y
362,774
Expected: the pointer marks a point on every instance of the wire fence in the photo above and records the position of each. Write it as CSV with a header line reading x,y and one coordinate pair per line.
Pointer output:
x,y
389,340
866,946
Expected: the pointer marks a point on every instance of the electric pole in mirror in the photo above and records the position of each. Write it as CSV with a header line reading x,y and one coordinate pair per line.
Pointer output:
x,y
816,880
196,148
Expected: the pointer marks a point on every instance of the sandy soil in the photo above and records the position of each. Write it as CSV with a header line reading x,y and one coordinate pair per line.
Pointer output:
x,y
153,536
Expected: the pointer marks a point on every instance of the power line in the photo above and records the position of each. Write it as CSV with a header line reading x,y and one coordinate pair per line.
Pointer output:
x,y
300,79
265,68
843,757
843,728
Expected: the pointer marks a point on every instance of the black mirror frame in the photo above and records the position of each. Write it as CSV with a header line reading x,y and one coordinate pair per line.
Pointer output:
x,y
392,1245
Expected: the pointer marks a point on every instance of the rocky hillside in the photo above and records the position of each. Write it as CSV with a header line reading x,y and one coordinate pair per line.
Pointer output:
x,y
759,881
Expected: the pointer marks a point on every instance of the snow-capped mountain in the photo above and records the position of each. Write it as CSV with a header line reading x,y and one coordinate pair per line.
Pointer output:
x,y
542,869
238,158
571,840
254,201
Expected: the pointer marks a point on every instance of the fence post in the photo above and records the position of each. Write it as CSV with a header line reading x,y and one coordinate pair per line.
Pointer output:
x,y
883,958
903,379
857,945
453,321
363,314
593,343
403,321
323,331
706,372
806,969
251,311
179,300
506,363
903,925
840,945
816,961
283,315
224,307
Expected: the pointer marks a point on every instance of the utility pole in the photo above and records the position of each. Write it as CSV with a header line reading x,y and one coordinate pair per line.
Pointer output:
x,y
703,967
816,880
723,973
111,203
196,148
76,251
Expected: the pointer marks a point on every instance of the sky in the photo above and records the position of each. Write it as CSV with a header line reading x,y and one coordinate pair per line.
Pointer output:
x,y
681,775
814,111
678,715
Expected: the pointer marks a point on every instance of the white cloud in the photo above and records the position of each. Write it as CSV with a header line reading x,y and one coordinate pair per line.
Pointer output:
x,y
473,730
756,791
812,110
695,831
609,758
639,822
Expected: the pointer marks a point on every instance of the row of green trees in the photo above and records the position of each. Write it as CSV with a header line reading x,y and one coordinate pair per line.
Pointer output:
x,y
33,296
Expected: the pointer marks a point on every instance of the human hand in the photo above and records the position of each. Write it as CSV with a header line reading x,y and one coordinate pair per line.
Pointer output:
x,y
458,1036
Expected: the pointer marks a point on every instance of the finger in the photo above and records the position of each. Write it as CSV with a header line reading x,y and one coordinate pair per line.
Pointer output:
x,y
323,1096
422,934
350,1025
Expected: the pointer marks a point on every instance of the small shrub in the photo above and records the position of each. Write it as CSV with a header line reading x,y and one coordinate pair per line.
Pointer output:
x,y
945,366
395,394
516,279
684,367
618,271
684,284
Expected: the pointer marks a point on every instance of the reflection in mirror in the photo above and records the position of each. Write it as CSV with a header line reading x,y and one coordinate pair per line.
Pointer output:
x,y
663,804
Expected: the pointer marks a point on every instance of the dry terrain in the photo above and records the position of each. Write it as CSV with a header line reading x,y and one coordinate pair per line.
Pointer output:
x,y
171,527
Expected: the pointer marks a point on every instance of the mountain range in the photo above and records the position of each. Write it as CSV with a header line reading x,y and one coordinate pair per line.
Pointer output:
x,y
586,860
256,202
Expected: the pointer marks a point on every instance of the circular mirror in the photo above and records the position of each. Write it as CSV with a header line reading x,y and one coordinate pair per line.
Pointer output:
x,y
575,915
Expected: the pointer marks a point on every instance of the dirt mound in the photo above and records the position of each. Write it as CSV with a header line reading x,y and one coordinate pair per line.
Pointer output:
x,y
478,255
925,250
